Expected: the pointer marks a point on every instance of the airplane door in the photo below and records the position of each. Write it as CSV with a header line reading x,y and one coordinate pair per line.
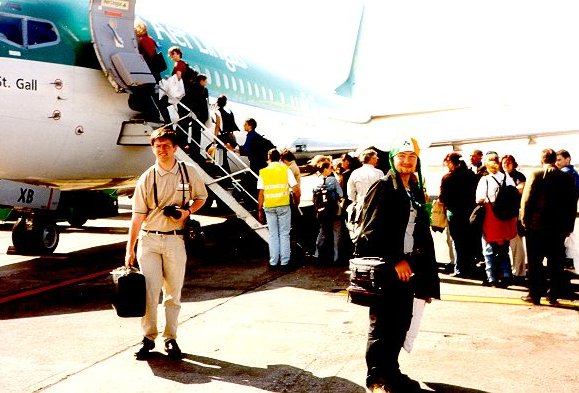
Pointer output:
x,y
115,43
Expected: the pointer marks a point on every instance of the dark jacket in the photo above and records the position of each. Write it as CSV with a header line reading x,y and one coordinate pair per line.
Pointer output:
x,y
457,191
253,148
384,218
549,202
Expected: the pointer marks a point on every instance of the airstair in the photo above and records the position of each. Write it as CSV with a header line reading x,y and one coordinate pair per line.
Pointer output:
x,y
216,185
225,186
115,44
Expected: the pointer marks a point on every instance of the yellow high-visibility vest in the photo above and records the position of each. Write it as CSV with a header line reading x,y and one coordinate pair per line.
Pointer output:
x,y
275,185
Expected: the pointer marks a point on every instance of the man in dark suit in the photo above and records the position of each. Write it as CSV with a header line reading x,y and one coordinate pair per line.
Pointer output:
x,y
548,211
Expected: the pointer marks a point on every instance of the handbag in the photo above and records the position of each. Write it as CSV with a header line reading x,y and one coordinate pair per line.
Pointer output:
x,y
438,216
158,62
129,297
477,216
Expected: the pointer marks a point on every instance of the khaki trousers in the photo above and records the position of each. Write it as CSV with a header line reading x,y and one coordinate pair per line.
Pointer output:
x,y
519,256
162,260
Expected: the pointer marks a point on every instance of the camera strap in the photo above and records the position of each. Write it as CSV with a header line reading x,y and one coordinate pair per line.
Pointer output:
x,y
155,194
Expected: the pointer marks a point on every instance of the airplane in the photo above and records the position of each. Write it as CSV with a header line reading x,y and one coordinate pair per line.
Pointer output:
x,y
71,142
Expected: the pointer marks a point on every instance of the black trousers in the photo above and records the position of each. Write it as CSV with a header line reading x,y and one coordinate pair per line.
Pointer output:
x,y
464,238
541,244
389,321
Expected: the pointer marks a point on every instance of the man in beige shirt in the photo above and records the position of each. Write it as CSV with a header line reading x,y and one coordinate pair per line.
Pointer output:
x,y
160,249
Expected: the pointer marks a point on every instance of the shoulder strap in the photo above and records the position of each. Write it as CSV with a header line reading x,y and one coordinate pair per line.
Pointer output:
x,y
183,168
155,187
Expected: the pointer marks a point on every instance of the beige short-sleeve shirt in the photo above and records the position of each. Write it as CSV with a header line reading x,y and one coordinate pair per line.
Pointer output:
x,y
172,186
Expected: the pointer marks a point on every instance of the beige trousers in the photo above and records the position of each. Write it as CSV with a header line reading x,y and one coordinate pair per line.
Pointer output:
x,y
519,256
162,260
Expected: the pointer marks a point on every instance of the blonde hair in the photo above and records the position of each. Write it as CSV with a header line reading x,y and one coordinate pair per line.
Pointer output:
x,y
140,28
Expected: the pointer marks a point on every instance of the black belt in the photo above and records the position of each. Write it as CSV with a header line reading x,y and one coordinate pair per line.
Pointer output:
x,y
173,232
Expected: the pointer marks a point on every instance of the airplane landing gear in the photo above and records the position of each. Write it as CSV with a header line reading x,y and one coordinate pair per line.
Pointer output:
x,y
35,235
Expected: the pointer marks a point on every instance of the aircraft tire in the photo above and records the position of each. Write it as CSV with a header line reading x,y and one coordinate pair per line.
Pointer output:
x,y
77,219
42,238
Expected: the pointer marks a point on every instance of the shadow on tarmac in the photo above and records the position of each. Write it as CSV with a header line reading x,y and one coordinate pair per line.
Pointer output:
x,y
444,388
233,262
197,370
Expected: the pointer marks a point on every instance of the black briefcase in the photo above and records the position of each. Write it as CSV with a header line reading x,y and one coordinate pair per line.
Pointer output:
x,y
129,297
366,280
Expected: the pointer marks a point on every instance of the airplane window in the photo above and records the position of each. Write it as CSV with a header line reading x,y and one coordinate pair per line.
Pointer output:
x,y
217,79
233,83
11,30
208,73
264,95
241,86
281,97
270,95
40,32
249,88
256,89
225,81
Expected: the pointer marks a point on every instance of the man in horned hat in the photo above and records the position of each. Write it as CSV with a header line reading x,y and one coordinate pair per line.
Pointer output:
x,y
396,227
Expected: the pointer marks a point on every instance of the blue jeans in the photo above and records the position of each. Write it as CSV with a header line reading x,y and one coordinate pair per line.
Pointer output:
x,y
497,260
279,224
329,231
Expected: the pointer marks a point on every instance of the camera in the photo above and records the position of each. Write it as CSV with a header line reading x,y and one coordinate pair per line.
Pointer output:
x,y
171,211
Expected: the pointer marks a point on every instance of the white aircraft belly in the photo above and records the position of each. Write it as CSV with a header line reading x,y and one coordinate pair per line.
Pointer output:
x,y
77,150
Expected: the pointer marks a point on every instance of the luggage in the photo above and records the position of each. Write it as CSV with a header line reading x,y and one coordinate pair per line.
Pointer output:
x,y
129,298
366,280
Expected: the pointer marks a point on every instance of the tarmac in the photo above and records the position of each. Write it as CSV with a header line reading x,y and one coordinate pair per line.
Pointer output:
x,y
247,328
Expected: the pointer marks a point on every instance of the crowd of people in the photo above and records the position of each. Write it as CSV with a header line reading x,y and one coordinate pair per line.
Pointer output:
x,y
372,205
499,242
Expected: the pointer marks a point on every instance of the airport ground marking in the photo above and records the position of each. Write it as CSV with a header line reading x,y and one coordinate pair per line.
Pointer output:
x,y
46,288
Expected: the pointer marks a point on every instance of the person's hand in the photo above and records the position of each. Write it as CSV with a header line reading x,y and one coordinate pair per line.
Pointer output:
x,y
403,270
130,258
185,213
261,216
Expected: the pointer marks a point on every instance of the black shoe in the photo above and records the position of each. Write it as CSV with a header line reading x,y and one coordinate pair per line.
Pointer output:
x,y
530,299
458,275
173,350
505,283
552,301
145,350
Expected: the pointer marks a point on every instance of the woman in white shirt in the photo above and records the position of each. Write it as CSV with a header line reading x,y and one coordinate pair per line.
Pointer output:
x,y
496,233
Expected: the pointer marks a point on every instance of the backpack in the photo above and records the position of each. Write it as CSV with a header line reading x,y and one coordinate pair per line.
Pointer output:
x,y
189,76
325,206
264,145
507,201
261,145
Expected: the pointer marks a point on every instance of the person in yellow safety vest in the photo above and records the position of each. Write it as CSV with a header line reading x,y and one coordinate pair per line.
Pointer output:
x,y
274,183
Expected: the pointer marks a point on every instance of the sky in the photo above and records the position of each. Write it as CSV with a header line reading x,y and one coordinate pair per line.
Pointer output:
x,y
474,52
